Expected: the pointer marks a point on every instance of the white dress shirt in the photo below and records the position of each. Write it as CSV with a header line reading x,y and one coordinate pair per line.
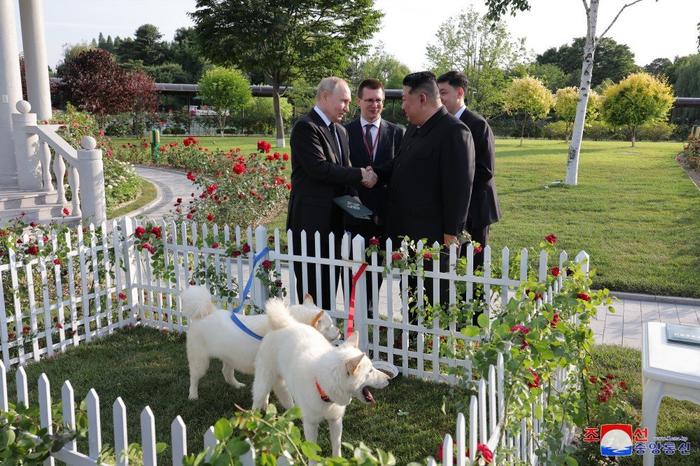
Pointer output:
x,y
460,111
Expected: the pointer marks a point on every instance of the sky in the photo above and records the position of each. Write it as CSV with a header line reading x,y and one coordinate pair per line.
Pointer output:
x,y
652,29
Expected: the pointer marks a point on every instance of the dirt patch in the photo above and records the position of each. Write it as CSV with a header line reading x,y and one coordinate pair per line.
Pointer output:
x,y
693,173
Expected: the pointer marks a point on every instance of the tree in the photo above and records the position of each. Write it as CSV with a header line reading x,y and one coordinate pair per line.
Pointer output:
x,y
140,92
698,37
285,40
185,51
687,84
226,90
481,50
528,99
382,66
661,67
566,101
497,8
638,99
613,60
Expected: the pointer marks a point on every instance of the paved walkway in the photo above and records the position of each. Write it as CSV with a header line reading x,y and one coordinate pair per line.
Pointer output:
x,y
624,327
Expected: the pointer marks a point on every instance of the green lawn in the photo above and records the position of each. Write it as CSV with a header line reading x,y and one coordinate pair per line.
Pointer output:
x,y
634,211
145,367
247,144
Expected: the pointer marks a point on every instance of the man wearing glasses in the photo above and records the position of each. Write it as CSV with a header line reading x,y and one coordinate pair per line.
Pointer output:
x,y
373,142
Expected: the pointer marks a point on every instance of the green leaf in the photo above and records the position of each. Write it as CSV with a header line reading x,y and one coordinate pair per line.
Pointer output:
x,y
570,461
310,450
7,438
470,331
222,429
237,447
483,320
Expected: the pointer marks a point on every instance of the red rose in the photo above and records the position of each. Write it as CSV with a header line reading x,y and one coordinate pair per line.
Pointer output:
x,y
609,377
623,385
583,296
374,241
210,217
266,264
45,239
536,380
122,296
186,142
215,245
236,253
478,249
555,271
239,168
211,189
191,176
520,328
26,329
270,157
593,379
277,156
66,211
245,249
285,156
33,250
144,145
189,216
427,256
396,256
140,231
57,261
33,224
551,238
288,186
148,247
58,325
485,452
555,320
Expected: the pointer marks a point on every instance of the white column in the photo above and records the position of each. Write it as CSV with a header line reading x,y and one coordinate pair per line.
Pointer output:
x,y
34,46
10,91
26,148
92,181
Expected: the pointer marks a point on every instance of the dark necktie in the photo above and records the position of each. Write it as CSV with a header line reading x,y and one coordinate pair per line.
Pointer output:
x,y
336,141
368,140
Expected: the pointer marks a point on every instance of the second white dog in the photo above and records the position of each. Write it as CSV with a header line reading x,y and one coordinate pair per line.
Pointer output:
x,y
321,379
212,334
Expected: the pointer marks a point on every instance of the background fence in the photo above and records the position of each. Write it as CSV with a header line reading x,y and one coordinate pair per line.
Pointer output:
x,y
106,282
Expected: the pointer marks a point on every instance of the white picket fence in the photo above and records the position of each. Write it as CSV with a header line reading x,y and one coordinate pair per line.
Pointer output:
x,y
61,311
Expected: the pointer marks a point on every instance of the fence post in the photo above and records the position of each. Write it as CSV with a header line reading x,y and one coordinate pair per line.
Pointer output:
x,y
129,256
92,181
26,148
260,290
358,258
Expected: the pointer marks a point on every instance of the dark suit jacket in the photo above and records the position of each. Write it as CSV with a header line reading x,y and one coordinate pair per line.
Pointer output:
x,y
429,176
483,208
390,135
318,177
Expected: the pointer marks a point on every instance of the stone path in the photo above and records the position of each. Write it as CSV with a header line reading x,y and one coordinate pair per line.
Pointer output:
x,y
622,328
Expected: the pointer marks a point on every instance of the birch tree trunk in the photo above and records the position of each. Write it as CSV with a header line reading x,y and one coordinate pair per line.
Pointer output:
x,y
279,122
584,91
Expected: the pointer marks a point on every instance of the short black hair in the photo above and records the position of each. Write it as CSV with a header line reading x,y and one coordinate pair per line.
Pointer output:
x,y
369,83
422,81
454,79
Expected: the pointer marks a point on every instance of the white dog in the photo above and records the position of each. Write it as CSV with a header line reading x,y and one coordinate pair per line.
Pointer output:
x,y
212,334
320,378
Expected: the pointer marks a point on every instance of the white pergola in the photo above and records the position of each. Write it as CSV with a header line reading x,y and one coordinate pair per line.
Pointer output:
x,y
13,172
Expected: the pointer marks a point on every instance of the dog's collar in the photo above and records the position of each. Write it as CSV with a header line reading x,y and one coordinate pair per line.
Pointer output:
x,y
322,394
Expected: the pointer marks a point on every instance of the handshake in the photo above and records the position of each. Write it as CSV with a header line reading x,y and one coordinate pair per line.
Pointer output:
x,y
369,178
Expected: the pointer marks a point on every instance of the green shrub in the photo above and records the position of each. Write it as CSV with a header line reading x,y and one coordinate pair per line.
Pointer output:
x,y
598,130
656,131
556,130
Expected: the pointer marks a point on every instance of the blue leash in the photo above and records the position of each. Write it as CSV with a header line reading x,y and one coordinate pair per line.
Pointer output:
x,y
246,290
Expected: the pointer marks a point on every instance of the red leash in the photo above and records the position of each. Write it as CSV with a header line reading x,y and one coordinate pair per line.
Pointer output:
x,y
351,311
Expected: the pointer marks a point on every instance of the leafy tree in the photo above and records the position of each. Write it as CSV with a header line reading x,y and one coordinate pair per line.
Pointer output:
x,y
382,66
185,51
226,90
139,89
661,67
613,60
687,84
481,50
566,100
168,73
638,99
285,40
146,47
528,99
258,115
497,8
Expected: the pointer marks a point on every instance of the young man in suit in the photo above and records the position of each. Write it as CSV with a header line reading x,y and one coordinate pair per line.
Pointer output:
x,y
483,208
373,142
321,171
434,167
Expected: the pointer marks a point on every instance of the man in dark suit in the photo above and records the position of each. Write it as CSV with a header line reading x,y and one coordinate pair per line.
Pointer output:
x,y
321,171
434,167
483,208
373,142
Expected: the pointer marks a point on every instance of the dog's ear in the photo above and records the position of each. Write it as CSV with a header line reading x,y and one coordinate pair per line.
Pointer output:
x,y
353,340
351,364
317,319
308,299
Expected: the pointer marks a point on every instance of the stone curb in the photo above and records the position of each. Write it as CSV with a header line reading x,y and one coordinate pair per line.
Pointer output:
x,y
656,298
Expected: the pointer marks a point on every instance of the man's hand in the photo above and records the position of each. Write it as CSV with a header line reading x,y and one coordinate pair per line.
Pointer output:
x,y
450,239
369,178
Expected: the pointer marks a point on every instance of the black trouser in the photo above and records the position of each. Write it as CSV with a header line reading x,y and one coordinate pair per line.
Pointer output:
x,y
481,236
328,293
369,230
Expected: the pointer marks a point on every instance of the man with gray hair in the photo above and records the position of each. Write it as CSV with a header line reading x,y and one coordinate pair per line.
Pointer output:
x,y
321,171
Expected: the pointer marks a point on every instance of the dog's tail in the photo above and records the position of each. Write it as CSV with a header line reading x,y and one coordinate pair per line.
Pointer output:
x,y
278,314
196,302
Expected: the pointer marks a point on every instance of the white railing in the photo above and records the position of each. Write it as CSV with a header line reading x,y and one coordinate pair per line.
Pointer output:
x,y
83,166
105,284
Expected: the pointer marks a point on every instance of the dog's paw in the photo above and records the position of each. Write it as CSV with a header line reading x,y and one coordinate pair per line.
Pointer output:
x,y
237,384
193,396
